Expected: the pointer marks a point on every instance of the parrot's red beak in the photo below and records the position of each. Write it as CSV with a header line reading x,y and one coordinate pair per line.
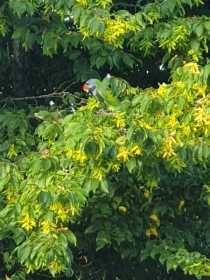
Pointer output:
x,y
85,87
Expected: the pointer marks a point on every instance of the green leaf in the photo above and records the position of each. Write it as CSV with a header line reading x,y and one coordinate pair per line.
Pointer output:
x,y
100,61
91,186
131,164
199,30
24,253
104,186
102,240
71,238
45,198
91,148
128,60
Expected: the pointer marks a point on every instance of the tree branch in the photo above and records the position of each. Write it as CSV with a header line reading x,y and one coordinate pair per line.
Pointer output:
x,y
33,97
53,94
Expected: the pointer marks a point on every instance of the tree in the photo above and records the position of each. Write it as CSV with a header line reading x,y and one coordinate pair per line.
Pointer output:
x,y
129,168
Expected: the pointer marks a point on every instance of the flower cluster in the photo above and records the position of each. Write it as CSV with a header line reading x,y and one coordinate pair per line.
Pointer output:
x,y
83,3
172,39
63,212
120,119
151,232
191,67
27,222
97,174
115,31
125,152
76,155
47,226
103,3
167,147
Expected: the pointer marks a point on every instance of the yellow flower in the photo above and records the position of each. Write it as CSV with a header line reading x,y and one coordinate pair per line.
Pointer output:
x,y
97,174
85,32
200,89
192,67
123,154
201,116
136,150
179,84
144,124
103,3
162,89
167,148
147,126
186,130
116,167
47,226
120,120
69,153
60,211
72,210
121,140
83,3
92,104
12,151
115,31
193,54
180,34
27,222
181,204
55,267
153,217
152,231
115,28
153,16
63,212
97,133
29,268
171,122
79,156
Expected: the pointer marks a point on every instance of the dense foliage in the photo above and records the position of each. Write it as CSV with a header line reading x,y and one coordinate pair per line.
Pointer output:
x,y
126,172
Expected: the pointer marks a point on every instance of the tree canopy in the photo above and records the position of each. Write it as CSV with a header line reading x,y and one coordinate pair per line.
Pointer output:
x,y
125,172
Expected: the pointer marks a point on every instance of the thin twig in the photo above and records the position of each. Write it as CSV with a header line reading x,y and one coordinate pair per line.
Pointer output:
x,y
53,94
33,97
104,113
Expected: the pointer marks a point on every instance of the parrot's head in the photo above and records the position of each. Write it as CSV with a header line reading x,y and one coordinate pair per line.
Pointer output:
x,y
89,87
